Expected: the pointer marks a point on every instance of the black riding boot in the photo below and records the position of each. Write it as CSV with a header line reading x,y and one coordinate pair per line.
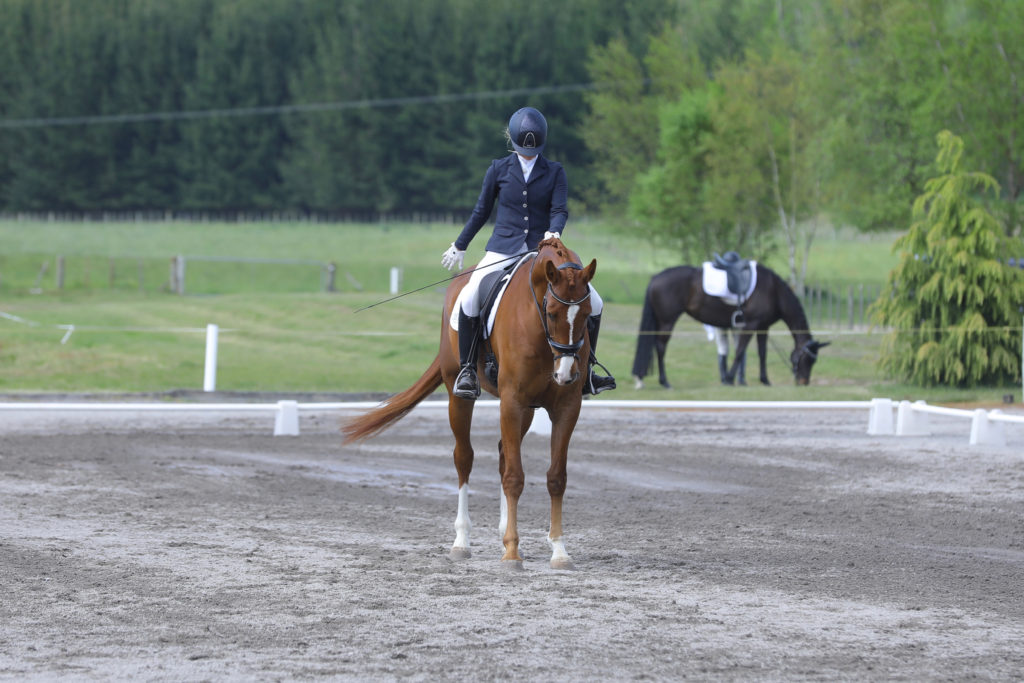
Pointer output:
x,y
723,368
466,384
741,371
595,383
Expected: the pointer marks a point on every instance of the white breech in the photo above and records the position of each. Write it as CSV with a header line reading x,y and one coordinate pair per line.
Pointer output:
x,y
722,340
469,297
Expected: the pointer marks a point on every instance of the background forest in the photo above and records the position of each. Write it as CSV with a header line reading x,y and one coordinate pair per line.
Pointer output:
x,y
741,119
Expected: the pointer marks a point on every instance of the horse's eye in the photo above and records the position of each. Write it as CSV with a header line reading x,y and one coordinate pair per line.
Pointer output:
x,y
551,316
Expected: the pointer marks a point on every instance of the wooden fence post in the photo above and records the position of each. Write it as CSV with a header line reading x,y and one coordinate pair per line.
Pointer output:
x,y
849,306
332,270
177,277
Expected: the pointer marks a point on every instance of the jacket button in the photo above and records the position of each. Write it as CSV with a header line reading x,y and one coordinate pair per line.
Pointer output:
x,y
524,205
526,218
524,192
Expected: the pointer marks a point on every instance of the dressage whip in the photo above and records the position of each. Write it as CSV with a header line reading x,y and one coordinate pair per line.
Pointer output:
x,y
440,282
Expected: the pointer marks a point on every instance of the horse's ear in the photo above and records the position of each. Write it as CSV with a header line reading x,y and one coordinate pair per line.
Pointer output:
x,y
590,270
820,345
551,272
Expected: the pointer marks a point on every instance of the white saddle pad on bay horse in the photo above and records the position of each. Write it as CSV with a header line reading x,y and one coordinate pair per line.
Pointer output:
x,y
716,284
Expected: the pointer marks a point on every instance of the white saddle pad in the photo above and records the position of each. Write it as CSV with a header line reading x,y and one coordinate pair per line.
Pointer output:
x,y
453,319
716,283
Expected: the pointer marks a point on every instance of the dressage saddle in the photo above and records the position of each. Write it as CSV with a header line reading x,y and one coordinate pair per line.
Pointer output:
x,y
737,272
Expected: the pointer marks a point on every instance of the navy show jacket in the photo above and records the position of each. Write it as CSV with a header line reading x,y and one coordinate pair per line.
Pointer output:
x,y
526,210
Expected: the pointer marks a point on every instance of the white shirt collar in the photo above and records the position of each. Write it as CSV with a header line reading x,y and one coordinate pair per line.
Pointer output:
x,y
527,165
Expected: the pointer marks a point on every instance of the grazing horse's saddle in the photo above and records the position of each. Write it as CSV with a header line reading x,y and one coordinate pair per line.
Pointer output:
x,y
738,273
732,279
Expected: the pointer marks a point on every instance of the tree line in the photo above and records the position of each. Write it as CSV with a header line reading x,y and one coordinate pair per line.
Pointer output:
x,y
745,124
355,107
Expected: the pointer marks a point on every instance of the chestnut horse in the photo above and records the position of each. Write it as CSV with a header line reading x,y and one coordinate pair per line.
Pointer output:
x,y
540,342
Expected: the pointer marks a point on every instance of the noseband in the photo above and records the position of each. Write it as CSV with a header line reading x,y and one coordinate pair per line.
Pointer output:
x,y
572,348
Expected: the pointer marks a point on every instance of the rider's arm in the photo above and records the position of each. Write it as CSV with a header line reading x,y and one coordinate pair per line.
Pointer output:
x,y
482,210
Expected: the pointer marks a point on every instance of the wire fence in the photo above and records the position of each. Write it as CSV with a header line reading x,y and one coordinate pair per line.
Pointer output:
x,y
837,305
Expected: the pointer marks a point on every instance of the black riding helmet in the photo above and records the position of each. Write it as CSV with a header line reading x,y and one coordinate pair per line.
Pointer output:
x,y
528,131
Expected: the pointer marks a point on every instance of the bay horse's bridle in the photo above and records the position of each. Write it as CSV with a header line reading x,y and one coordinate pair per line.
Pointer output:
x,y
562,350
803,350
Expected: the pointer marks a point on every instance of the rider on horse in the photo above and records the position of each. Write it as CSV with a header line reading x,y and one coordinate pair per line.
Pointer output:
x,y
531,194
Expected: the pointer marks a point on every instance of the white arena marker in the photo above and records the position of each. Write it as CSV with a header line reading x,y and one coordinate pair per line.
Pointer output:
x,y
986,431
541,423
912,419
210,373
286,422
880,417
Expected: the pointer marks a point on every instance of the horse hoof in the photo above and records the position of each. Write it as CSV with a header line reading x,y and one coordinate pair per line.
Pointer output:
x,y
512,565
666,385
563,563
458,553
638,383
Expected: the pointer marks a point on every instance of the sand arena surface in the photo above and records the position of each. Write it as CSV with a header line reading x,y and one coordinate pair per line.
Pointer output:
x,y
709,545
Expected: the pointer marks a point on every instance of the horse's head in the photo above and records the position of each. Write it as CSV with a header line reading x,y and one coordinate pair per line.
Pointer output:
x,y
803,359
564,306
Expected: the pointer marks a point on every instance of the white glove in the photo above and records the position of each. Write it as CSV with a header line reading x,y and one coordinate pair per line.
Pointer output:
x,y
549,235
452,258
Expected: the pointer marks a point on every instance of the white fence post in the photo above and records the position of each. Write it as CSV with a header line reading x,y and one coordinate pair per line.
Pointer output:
x,y
210,372
396,279
179,275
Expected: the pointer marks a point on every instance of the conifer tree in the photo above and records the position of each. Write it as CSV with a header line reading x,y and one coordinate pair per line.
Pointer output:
x,y
953,303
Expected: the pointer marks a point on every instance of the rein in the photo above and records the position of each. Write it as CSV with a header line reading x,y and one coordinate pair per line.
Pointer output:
x,y
572,348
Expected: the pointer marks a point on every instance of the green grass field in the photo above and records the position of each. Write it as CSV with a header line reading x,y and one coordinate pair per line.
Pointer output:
x,y
280,332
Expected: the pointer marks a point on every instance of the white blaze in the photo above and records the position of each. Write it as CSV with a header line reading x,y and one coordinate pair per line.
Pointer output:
x,y
563,371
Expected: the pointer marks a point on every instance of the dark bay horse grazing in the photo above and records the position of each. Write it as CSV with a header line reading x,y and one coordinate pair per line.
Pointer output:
x,y
679,290
539,338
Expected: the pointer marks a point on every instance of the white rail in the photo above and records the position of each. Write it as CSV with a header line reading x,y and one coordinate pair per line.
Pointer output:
x,y
911,418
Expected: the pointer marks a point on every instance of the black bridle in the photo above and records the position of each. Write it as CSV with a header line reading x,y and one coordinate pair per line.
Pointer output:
x,y
800,353
562,350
